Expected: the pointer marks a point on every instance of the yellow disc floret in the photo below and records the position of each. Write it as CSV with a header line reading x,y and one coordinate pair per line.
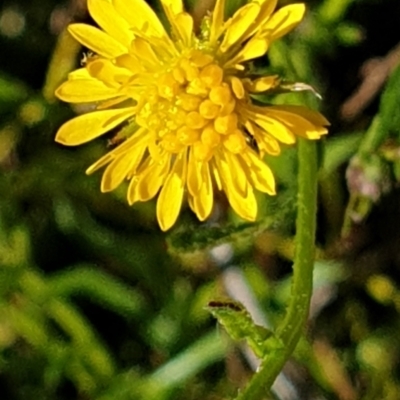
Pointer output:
x,y
191,104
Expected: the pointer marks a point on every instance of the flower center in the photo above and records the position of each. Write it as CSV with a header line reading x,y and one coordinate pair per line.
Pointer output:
x,y
192,104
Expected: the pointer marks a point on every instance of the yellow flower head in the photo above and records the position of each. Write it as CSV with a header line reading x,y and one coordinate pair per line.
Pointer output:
x,y
189,99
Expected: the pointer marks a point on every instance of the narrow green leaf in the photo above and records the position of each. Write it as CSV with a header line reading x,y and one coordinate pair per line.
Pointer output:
x,y
98,286
339,150
390,105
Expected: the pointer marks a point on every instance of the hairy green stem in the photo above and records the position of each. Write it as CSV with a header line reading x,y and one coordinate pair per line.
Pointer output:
x,y
291,329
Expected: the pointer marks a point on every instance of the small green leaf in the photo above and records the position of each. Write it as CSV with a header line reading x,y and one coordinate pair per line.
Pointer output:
x,y
239,324
349,34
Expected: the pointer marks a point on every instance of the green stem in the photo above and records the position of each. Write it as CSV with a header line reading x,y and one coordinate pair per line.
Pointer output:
x,y
291,329
297,313
373,138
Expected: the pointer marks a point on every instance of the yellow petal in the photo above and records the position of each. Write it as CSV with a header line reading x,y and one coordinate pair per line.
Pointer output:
x,y
216,174
272,126
130,62
297,124
313,116
121,168
227,171
170,199
115,173
150,180
139,138
140,16
85,91
176,6
235,170
245,206
265,142
222,169
239,24
89,126
202,203
183,23
284,20
254,48
80,73
143,49
271,146
101,162
106,71
96,40
217,20
113,103
133,194
193,174
268,144
104,13
260,174
267,7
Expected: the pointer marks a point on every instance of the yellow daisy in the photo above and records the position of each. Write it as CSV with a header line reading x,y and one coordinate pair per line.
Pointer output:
x,y
189,98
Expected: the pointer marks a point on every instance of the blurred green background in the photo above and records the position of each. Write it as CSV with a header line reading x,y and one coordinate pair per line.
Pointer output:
x,y
97,303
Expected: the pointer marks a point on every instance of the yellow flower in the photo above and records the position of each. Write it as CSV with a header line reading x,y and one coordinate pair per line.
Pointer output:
x,y
189,98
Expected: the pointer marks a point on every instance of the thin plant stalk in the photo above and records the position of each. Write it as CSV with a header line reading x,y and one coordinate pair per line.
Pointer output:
x,y
291,329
